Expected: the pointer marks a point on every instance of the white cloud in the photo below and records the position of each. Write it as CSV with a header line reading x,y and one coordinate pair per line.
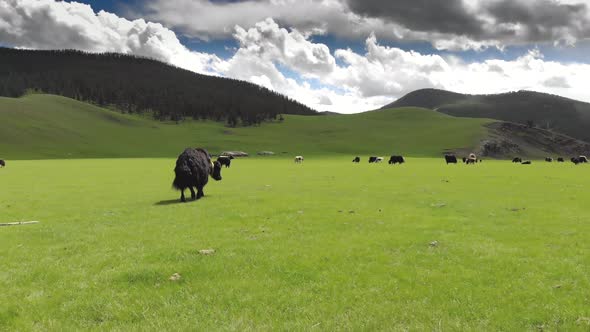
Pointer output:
x,y
454,25
267,41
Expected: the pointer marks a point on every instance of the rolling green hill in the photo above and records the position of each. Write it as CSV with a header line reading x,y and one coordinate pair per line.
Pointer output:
x,y
567,116
46,126
40,126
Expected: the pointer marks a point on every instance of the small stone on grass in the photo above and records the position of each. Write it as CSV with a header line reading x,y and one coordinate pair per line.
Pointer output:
x,y
207,251
175,277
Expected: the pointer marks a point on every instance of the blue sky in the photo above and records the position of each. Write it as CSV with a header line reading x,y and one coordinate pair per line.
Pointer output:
x,y
333,55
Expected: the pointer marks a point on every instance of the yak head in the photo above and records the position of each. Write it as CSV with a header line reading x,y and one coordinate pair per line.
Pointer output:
x,y
216,170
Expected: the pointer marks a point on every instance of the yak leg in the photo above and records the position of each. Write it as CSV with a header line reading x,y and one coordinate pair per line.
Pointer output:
x,y
182,199
200,192
192,192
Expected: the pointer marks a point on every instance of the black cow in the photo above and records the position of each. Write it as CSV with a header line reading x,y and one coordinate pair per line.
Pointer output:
x,y
528,162
549,159
2,163
517,160
193,168
396,160
356,160
464,159
225,160
560,160
372,159
575,160
450,159
471,161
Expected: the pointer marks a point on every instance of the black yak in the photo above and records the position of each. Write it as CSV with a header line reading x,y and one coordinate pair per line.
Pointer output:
x,y
2,163
575,160
225,160
450,159
396,160
193,168
372,159
517,160
356,160
549,159
464,159
560,160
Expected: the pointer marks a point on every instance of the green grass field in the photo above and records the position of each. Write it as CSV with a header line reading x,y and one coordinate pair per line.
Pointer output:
x,y
52,127
327,245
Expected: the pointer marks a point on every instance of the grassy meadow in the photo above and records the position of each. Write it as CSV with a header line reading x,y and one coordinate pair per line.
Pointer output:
x,y
326,245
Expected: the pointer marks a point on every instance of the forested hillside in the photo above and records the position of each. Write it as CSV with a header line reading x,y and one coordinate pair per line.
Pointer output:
x,y
139,85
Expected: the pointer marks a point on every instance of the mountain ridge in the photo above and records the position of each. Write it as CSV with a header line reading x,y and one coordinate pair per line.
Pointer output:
x,y
534,109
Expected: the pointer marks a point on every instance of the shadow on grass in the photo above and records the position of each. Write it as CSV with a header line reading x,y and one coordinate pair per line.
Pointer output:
x,y
177,201
172,202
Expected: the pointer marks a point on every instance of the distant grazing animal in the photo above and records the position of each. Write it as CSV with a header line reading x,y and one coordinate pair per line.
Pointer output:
x,y
575,160
472,159
356,160
583,159
379,159
396,160
549,159
225,160
464,159
560,160
450,159
372,159
2,163
193,168
528,162
298,159
517,160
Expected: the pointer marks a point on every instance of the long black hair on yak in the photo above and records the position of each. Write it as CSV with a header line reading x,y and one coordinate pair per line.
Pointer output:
x,y
193,168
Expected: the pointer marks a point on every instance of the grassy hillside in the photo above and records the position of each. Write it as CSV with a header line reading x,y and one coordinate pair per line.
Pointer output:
x,y
546,111
47,126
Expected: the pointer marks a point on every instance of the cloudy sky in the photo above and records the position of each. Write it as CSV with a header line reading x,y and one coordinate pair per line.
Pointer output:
x,y
334,55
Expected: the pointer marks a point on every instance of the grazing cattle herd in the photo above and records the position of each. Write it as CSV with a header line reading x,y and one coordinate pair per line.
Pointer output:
x,y
194,166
